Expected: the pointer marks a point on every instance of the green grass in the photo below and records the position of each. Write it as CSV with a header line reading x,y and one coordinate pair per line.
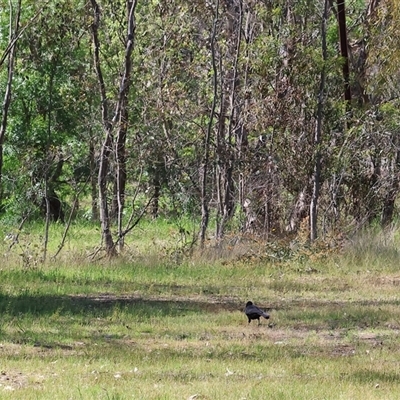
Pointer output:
x,y
147,327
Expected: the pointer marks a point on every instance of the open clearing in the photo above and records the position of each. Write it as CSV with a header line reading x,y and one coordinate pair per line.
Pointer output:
x,y
179,332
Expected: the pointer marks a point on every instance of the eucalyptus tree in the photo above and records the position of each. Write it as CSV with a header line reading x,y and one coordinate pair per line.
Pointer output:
x,y
316,177
230,122
363,181
389,109
286,64
178,99
116,121
205,197
375,49
218,109
14,27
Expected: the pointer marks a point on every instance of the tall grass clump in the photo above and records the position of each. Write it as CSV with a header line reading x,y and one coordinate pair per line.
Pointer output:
x,y
375,249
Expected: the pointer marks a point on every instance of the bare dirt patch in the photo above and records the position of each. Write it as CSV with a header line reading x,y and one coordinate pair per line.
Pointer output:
x,y
11,380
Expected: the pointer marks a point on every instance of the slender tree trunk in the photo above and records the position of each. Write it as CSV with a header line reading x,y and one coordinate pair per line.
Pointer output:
x,y
389,204
19,32
121,118
156,181
14,27
372,5
118,203
49,191
300,209
93,181
121,113
157,191
108,140
121,174
103,205
230,111
393,190
341,10
47,221
318,131
206,155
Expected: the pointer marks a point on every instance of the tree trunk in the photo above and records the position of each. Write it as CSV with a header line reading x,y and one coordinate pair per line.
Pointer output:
x,y
108,141
103,205
13,29
390,199
156,186
226,150
93,182
47,223
121,114
300,210
389,206
120,178
206,155
341,10
318,132
120,117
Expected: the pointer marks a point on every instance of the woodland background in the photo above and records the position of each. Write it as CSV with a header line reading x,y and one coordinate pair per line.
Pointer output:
x,y
253,117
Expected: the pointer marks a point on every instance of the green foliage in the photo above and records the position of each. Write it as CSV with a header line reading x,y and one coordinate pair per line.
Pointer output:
x,y
54,131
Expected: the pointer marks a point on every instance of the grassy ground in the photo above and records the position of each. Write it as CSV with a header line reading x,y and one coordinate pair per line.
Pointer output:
x,y
150,328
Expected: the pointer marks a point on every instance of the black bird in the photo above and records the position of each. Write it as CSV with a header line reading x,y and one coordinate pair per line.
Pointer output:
x,y
253,312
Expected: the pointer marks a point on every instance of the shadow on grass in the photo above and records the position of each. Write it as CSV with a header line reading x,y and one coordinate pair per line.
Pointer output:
x,y
105,305
338,314
369,376
103,317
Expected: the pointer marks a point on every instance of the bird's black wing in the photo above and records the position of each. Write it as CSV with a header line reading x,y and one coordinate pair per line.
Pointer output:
x,y
254,310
